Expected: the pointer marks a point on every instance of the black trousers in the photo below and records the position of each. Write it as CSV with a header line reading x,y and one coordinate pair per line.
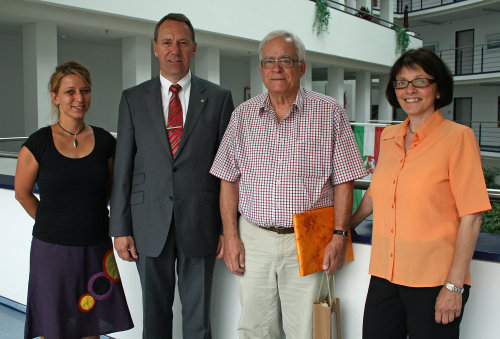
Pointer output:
x,y
158,280
394,311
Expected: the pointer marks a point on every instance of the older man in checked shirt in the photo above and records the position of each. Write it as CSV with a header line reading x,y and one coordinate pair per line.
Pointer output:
x,y
286,151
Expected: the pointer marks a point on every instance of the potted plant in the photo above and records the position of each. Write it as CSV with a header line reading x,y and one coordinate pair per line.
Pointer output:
x,y
365,13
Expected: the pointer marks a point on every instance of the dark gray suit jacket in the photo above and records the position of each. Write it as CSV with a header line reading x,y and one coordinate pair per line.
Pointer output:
x,y
149,186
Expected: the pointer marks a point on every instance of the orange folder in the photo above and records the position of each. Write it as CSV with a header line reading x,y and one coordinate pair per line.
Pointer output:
x,y
313,231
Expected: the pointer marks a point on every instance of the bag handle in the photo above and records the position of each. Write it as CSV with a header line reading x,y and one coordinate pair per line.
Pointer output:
x,y
328,285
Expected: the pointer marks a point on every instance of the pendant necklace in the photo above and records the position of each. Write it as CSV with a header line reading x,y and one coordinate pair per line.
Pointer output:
x,y
408,128
75,141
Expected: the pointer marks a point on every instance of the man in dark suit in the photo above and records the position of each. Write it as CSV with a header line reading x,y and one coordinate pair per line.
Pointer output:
x,y
164,203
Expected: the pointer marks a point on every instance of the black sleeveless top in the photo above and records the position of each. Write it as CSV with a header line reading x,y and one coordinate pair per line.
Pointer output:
x,y
73,208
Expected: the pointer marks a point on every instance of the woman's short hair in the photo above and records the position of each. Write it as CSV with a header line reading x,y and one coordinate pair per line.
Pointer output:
x,y
432,65
65,69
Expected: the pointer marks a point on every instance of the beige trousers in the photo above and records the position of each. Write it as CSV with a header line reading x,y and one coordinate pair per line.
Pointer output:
x,y
272,290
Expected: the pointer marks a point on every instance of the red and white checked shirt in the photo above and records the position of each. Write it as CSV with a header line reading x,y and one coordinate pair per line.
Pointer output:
x,y
290,166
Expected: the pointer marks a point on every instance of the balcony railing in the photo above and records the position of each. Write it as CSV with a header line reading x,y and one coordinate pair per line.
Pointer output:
x,y
367,16
487,134
420,5
476,59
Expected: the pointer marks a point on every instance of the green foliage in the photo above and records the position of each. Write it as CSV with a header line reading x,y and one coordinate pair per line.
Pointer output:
x,y
322,19
491,219
402,38
490,174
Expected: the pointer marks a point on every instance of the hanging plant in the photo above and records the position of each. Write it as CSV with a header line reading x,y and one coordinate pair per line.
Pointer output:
x,y
322,18
402,38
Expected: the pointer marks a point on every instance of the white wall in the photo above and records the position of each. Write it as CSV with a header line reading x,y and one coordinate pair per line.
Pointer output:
x,y
11,86
484,101
444,33
480,319
105,64
350,37
235,75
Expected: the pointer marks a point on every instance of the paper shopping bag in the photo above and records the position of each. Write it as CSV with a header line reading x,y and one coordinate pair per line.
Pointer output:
x,y
326,314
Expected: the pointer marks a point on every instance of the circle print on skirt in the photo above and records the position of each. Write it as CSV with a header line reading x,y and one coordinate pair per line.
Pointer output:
x,y
99,286
109,266
86,303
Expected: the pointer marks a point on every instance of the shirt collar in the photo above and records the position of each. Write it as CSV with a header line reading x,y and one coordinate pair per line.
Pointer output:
x,y
423,131
297,106
165,83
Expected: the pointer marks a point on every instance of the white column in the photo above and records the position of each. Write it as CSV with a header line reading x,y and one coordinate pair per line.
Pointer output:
x,y
39,62
384,108
136,61
363,92
387,10
335,86
364,3
306,80
339,5
207,64
352,4
256,85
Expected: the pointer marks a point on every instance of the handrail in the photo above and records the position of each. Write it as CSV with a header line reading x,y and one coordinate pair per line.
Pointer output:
x,y
14,139
363,184
11,155
358,13
463,47
400,5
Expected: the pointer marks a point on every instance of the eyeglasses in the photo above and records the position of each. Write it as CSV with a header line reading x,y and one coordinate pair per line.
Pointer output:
x,y
418,83
283,62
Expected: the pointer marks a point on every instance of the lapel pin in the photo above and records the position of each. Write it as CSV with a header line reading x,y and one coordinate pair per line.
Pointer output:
x,y
202,100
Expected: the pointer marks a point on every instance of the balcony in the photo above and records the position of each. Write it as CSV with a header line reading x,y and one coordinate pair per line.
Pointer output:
x,y
424,12
477,59
419,5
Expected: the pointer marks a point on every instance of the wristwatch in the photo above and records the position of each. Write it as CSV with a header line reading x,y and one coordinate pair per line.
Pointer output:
x,y
345,234
452,288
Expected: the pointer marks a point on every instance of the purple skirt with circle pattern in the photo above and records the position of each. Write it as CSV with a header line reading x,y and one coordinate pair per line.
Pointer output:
x,y
74,292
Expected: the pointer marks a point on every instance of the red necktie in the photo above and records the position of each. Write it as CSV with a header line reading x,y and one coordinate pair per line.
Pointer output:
x,y
174,125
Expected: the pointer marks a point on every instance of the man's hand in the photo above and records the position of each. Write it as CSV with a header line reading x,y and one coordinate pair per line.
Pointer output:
x,y
220,248
234,255
125,246
334,254
448,306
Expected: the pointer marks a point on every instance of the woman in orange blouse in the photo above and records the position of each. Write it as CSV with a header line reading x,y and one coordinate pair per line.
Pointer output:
x,y
426,195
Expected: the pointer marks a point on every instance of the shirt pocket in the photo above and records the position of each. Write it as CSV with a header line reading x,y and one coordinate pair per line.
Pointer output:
x,y
313,158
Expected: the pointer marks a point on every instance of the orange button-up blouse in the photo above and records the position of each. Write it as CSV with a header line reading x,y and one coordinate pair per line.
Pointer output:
x,y
419,197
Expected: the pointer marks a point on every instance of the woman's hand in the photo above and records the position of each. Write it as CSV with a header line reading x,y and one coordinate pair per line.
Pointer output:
x,y
448,306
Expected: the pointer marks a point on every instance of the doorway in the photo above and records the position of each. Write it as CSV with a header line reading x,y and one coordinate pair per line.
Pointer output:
x,y
464,52
462,111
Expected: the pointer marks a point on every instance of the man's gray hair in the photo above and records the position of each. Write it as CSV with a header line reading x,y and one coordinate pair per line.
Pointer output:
x,y
299,45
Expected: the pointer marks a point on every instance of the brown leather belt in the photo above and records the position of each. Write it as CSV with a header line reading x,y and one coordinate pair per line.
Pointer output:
x,y
279,230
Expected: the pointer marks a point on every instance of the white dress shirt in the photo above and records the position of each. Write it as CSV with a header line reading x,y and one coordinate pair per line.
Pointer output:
x,y
185,83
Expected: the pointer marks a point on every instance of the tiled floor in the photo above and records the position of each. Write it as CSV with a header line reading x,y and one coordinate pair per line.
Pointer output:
x,y
12,323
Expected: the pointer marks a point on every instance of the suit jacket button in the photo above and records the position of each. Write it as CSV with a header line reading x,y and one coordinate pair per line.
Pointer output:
x,y
170,198
174,169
